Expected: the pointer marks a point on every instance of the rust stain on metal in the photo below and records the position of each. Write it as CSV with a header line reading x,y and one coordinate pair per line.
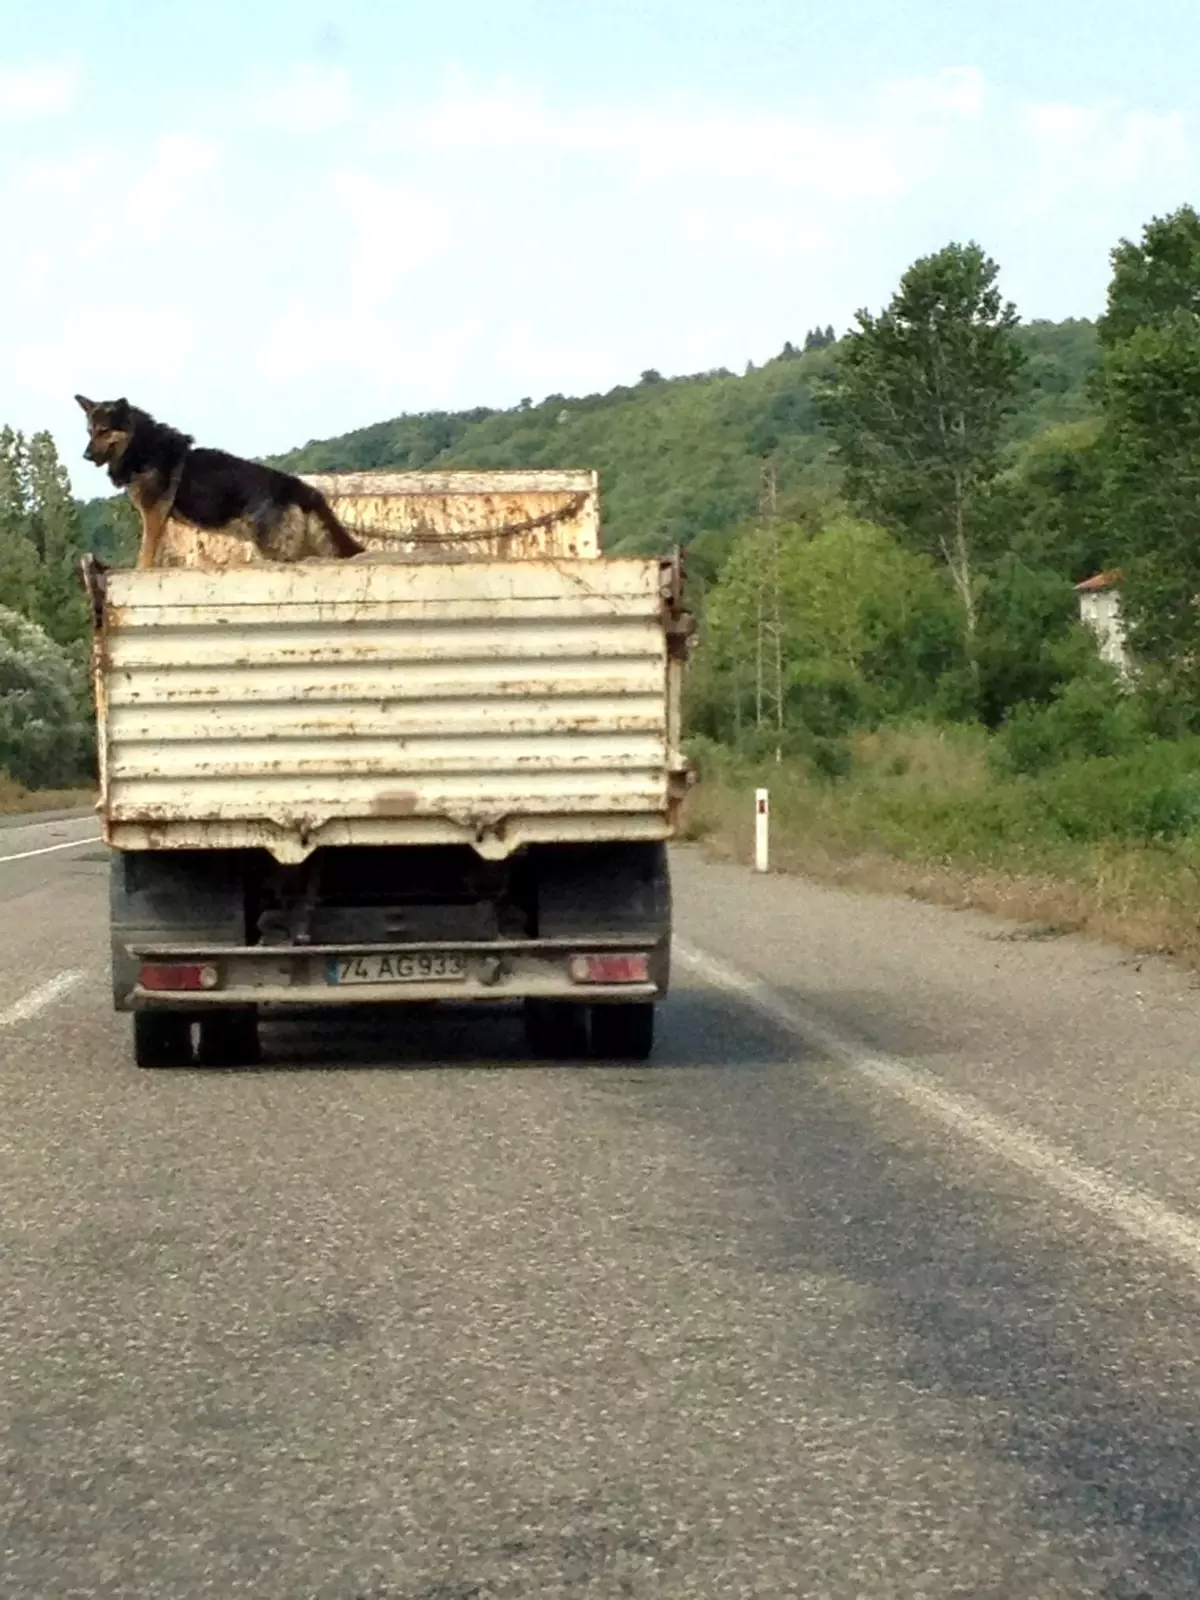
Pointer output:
x,y
395,803
679,782
679,625
438,516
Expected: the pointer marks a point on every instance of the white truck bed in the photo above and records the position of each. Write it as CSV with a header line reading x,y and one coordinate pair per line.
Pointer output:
x,y
390,701
480,677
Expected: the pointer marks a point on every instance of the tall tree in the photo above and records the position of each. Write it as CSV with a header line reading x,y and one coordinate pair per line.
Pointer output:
x,y
1149,387
918,404
54,530
43,727
867,629
1151,446
1155,279
1048,506
18,554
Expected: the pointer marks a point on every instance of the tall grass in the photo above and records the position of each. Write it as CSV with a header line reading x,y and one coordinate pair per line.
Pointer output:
x,y
16,798
1104,844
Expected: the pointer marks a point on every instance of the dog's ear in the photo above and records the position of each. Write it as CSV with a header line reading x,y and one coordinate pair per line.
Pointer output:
x,y
120,410
88,405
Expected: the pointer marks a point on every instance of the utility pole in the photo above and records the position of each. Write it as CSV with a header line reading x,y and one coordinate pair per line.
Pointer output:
x,y
737,682
768,630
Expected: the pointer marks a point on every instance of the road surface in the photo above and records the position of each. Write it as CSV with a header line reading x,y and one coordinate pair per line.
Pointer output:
x,y
882,1280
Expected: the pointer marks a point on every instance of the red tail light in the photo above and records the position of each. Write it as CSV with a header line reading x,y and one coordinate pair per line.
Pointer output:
x,y
610,969
190,975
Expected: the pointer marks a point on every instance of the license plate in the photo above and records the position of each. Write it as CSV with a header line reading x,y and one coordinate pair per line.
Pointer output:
x,y
430,967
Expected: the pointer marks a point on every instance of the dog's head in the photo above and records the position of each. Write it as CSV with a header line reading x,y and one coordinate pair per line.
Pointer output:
x,y
110,426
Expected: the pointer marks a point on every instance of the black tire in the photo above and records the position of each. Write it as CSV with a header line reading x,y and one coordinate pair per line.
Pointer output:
x,y
229,1038
623,1031
556,1030
162,1039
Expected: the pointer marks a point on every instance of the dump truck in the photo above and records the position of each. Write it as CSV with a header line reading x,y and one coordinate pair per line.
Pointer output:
x,y
444,770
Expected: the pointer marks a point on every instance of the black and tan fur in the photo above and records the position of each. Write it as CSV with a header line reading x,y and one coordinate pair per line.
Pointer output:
x,y
165,476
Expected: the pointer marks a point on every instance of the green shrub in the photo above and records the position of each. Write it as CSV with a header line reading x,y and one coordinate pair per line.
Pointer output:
x,y
43,732
826,698
1147,796
831,758
1089,716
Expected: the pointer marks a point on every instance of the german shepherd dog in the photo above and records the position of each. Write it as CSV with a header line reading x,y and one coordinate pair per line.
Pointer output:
x,y
164,476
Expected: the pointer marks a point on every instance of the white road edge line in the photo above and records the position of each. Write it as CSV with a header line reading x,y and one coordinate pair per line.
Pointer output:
x,y
49,849
1136,1213
38,999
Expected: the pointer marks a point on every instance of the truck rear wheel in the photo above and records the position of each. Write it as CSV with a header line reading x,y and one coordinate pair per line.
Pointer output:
x,y
623,1031
556,1029
162,1039
229,1038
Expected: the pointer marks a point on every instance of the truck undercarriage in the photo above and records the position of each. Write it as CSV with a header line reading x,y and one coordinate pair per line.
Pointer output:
x,y
204,941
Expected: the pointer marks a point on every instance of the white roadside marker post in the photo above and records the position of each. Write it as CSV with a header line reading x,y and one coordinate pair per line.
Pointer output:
x,y
762,822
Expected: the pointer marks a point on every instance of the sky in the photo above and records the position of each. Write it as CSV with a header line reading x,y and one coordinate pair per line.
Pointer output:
x,y
268,221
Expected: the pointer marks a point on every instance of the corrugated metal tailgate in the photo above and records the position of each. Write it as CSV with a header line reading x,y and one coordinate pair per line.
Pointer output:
x,y
489,702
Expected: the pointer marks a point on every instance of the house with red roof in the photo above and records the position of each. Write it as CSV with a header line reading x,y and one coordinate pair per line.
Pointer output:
x,y
1100,610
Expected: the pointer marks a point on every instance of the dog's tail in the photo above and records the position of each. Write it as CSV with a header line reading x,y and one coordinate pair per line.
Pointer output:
x,y
315,503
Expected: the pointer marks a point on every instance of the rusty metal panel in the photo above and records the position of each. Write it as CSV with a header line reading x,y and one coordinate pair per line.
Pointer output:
x,y
431,516
489,702
459,516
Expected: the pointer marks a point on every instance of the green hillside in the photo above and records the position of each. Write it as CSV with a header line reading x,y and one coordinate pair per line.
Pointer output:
x,y
680,459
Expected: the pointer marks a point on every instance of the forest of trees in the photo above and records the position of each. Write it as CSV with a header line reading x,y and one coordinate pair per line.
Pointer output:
x,y
931,573
45,724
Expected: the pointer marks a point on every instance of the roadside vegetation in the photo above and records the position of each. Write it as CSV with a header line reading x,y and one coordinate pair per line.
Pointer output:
x,y
46,732
905,666
46,737
16,799
1106,846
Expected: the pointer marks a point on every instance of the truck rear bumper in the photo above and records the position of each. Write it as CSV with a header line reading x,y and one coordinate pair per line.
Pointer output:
x,y
202,976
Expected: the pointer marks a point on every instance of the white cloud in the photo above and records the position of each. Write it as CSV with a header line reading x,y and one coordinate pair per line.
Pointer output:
x,y
171,185
955,92
1079,153
313,99
73,214
389,230
871,149
28,93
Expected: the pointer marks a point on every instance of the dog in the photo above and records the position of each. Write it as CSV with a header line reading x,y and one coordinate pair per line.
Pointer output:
x,y
165,476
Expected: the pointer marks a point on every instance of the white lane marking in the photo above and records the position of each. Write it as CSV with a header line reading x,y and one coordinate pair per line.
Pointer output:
x,y
49,849
1136,1213
38,999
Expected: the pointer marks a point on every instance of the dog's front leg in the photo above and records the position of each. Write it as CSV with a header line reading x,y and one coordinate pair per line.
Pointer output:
x,y
154,525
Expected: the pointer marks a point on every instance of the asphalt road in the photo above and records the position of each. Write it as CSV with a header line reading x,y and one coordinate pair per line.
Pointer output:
x,y
882,1280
